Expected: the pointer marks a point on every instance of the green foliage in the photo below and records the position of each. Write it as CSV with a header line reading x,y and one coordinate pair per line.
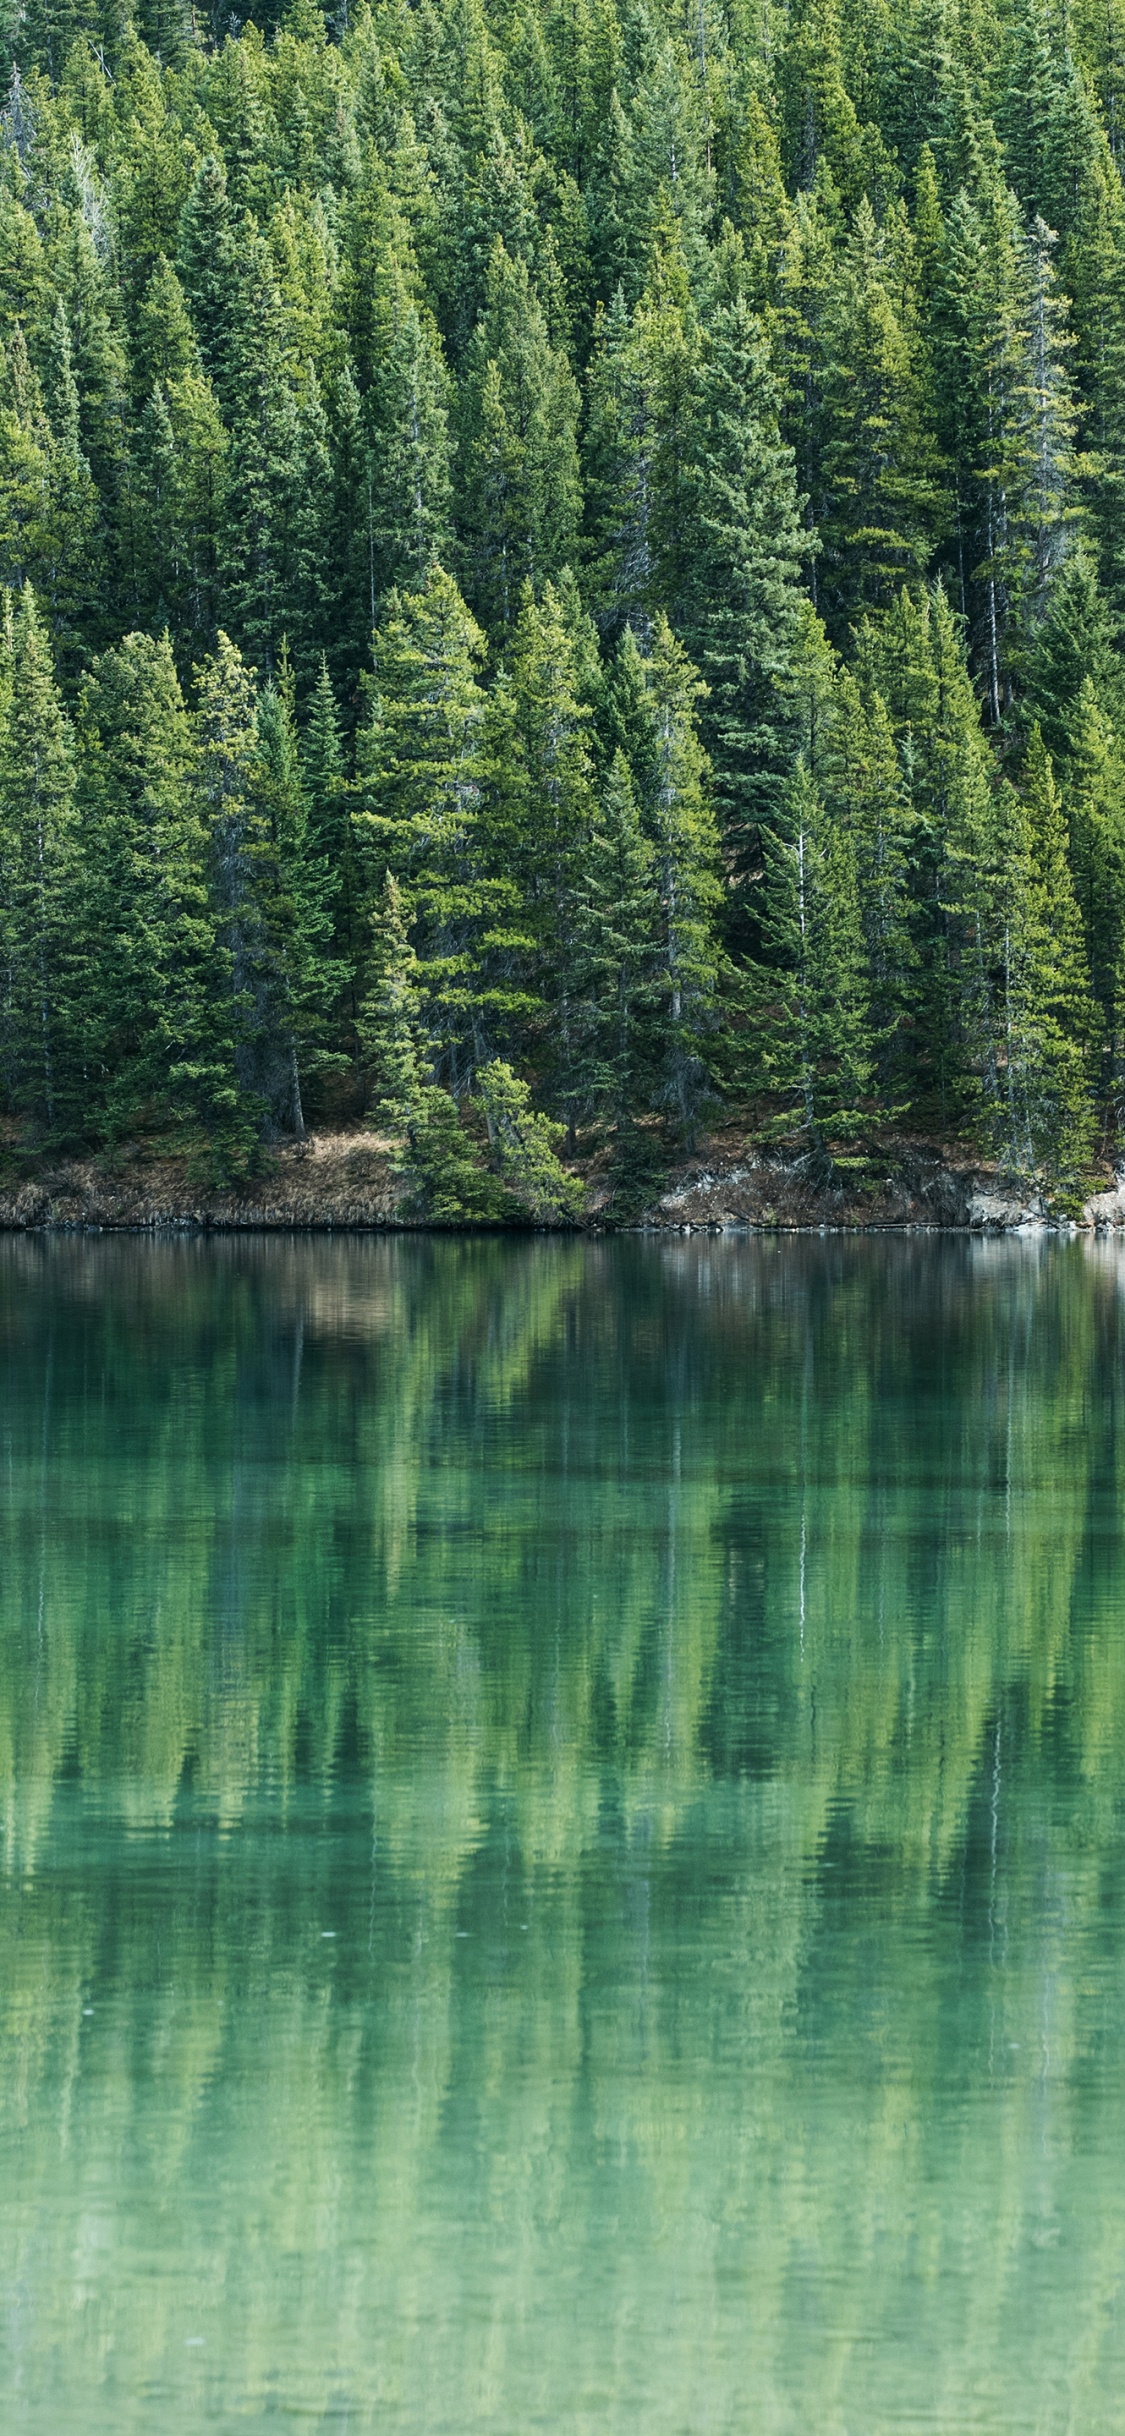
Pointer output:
x,y
42,929
160,1033
573,453
811,1019
523,1145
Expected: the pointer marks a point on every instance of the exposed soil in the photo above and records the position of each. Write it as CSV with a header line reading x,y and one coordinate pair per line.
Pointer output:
x,y
347,1180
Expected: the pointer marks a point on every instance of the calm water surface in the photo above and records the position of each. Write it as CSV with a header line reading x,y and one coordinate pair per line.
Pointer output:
x,y
562,1837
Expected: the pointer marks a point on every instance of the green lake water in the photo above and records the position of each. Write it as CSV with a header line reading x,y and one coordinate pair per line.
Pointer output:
x,y
562,1837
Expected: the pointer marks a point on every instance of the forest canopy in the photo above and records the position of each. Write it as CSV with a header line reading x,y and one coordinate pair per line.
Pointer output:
x,y
564,575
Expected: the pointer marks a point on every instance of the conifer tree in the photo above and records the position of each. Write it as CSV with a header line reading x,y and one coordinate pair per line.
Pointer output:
x,y
244,884
275,572
1030,1071
350,577
1049,847
298,908
70,535
440,1160
541,802
811,1026
42,925
616,960
411,452
880,510
656,716
747,548
332,845
1073,644
420,770
159,1028
390,1019
867,790
518,456
1095,800
524,1145
207,260
1010,426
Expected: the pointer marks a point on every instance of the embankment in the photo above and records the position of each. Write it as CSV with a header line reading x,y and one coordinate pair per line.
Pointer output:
x,y
347,1180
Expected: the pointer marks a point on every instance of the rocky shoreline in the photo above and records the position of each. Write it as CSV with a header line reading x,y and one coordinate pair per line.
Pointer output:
x,y
347,1181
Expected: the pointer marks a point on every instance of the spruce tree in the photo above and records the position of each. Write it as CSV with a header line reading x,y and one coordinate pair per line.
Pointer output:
x,y
411,451
617,988
207,260
244,883
299,908
519,485
1073,644
333,845
747,548
540,803
1095,803
439,1159
43,928
159,1029
810,1032
656,717
420,774
867,788
524,1146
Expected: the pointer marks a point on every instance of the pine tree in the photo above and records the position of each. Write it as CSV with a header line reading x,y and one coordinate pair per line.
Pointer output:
x,y
421,771
880,509
299,909
70,534
616,961
274,563
917,659
1010,424
159,1025
747,548
518,457
42,926
333,846
411,451
99,367
207,261
1073,644
820,118
1035,1108
868,794
182,465
657,701
811,1027
668,164
1095,801
390,1019
541,802
440,1160
244,884
523,1143
351,575
1049,847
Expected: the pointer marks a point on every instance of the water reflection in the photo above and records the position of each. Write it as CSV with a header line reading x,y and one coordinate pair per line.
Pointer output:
x,y
562,1845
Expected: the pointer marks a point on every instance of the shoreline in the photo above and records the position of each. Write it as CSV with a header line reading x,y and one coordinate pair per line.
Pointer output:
x,y
345,1183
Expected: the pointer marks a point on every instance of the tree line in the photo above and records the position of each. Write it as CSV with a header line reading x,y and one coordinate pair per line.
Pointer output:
x,y
564,578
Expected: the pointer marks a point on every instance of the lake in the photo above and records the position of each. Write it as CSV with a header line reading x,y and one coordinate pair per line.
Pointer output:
x,y
563,1836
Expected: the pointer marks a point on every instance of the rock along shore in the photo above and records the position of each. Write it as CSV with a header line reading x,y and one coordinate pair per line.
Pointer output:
x,y
341,1181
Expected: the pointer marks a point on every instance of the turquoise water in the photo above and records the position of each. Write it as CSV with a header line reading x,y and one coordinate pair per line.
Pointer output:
x,y
563,1850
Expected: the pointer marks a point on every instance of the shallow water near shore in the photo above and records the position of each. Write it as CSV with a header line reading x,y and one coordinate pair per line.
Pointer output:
x,y
563,1847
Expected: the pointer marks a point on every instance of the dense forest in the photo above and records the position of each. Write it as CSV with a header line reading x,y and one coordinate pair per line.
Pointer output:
x,y
564,574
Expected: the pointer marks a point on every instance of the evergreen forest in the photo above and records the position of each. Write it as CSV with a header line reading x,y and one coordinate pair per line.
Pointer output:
x,y
563,578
